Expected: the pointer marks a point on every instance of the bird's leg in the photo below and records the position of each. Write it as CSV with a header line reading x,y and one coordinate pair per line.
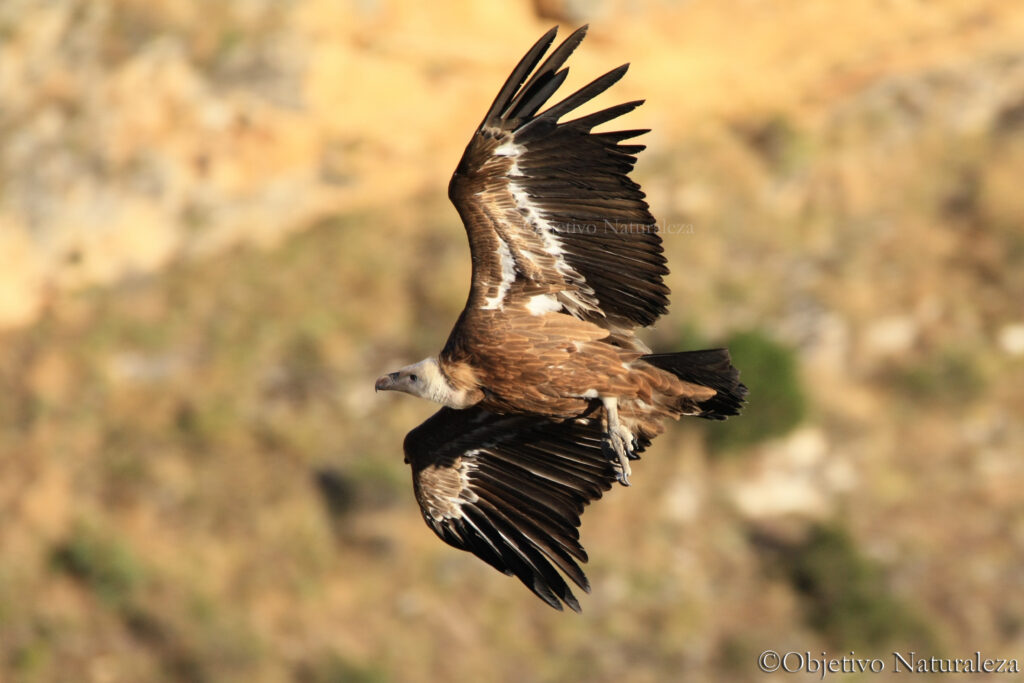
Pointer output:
x,y
618,442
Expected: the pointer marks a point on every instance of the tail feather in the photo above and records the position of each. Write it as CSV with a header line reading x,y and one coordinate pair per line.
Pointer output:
x,y
711,368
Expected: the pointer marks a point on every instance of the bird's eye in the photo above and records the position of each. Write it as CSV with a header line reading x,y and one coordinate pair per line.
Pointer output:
x,y
414,378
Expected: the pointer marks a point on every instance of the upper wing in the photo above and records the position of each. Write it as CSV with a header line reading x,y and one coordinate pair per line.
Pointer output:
x,y
510,489
549,207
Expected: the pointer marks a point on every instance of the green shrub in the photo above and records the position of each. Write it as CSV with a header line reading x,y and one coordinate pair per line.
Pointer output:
x,y
776,402
106,566
333,668
845,596
950,376
778,141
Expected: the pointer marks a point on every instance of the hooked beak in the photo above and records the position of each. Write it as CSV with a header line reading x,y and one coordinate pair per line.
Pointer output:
x,y
386,382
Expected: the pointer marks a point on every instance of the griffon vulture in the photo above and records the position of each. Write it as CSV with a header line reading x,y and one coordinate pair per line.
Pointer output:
x,y
548,393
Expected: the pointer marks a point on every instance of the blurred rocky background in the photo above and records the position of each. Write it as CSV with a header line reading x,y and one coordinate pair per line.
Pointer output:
x,y
219,222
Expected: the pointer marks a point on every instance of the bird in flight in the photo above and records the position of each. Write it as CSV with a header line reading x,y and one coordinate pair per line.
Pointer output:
x,y
547,392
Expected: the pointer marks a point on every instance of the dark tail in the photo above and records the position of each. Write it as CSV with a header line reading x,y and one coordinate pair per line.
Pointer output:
x,y
711,368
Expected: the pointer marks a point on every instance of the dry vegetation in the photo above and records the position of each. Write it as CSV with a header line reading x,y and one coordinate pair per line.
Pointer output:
x,y
198,484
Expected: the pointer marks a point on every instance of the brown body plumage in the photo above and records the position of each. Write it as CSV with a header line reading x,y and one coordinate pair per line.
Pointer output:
x,y
557,365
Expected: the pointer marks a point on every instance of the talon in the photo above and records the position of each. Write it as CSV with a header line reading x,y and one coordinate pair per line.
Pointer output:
x,y
623,470
619,442
618,455
622,478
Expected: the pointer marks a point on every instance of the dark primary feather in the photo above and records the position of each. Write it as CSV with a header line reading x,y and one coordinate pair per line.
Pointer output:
x,y
523,482
518,75
577,184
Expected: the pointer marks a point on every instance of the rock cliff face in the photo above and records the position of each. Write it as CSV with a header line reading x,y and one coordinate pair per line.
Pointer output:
x,y
132,132
197,483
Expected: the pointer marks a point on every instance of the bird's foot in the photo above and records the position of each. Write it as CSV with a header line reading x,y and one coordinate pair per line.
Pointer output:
x,y
620,447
